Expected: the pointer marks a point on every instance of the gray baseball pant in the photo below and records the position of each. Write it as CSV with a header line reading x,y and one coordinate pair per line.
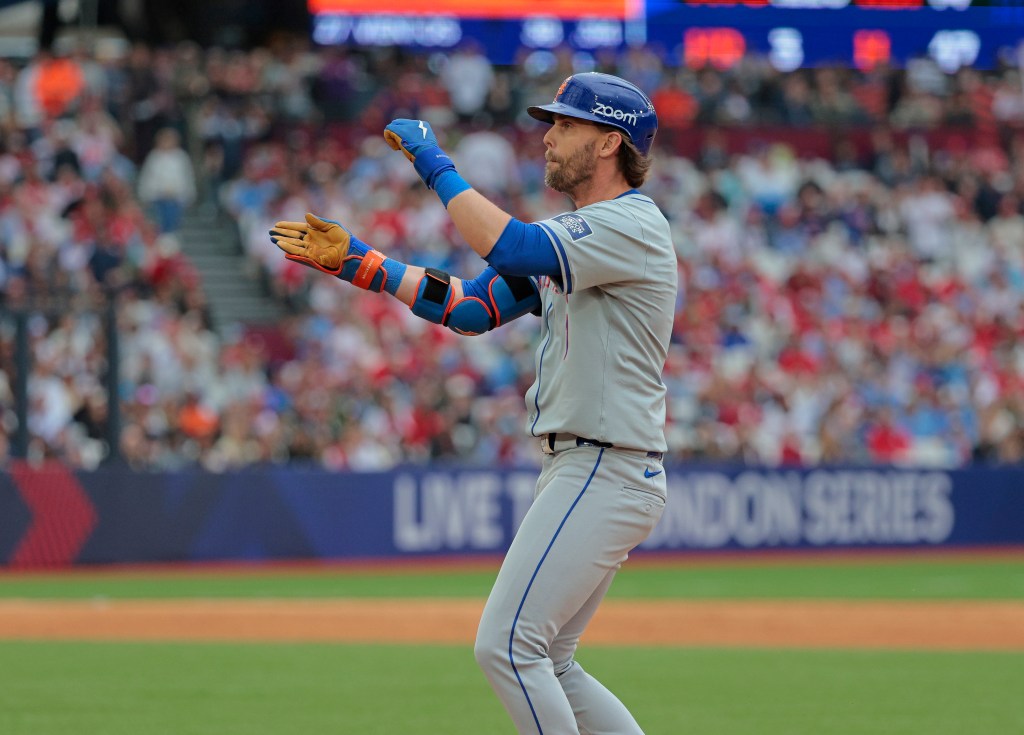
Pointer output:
x,y
591,507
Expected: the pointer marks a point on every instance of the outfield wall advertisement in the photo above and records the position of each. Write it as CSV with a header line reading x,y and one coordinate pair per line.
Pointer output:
x,y
53,517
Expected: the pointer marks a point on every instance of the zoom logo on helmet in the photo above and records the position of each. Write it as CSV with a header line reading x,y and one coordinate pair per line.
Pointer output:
x,y
609,111
605,99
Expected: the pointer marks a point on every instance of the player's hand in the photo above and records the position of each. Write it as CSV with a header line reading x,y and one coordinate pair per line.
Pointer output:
x,y
327,246
318,243
412,137
417,141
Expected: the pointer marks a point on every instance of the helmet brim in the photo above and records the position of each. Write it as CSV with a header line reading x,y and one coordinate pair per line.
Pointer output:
x,y
546,113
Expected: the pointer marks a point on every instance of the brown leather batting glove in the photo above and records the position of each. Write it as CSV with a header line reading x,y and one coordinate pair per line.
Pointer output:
x,y
318,243
327,246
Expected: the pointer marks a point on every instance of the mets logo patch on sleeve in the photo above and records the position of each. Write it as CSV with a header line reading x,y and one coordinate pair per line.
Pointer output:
x,y
575,224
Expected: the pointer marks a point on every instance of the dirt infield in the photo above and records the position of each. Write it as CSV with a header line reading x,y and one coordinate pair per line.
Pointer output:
x,y
991,626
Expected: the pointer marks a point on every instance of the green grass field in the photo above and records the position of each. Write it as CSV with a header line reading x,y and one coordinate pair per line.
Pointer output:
x,y
57,688
936,578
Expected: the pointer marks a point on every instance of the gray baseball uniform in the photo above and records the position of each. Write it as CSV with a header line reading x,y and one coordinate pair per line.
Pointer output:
x,y
598,404
598,409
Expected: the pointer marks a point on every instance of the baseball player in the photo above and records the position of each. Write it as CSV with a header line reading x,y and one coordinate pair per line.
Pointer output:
x,y
602,279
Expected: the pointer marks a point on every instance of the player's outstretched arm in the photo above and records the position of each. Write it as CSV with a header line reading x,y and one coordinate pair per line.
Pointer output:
x,y
465,306
478,220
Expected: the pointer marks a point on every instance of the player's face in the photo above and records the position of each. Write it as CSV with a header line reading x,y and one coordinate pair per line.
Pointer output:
x,y
571,158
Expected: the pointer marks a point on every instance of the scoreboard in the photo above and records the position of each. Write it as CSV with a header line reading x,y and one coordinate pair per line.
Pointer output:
x,y
791,33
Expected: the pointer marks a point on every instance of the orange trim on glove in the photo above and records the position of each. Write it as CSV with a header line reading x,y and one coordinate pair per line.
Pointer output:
x,y
306,260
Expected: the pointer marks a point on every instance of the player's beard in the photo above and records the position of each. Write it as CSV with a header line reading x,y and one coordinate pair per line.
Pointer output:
x,y
572,171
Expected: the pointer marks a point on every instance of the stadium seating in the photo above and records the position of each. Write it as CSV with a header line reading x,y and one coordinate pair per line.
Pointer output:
x,y
851,250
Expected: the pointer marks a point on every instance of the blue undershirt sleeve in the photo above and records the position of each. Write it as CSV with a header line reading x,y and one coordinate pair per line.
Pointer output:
x,y
524,250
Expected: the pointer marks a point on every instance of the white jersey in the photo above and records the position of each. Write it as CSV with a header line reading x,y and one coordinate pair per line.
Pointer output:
x,y
607,323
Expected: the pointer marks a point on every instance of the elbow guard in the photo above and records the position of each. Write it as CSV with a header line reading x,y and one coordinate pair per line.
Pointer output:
x,y
432,296
488,301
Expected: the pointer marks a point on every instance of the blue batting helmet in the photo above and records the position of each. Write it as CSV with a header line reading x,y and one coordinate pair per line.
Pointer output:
x,y
606,99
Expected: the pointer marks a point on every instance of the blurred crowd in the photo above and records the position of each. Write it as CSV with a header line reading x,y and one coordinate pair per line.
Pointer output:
x,y
859,301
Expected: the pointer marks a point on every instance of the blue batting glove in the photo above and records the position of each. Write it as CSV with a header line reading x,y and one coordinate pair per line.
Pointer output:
x,y
417,141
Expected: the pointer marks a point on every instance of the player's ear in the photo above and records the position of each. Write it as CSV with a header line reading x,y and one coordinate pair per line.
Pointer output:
x,y
612,141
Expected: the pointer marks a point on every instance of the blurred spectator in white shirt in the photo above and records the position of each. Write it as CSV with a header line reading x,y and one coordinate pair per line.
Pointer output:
x,y
467,76
167,180
1006,229
927,213
489,160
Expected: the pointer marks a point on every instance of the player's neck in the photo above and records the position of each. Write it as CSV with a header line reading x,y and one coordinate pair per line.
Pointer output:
x,y
596,190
